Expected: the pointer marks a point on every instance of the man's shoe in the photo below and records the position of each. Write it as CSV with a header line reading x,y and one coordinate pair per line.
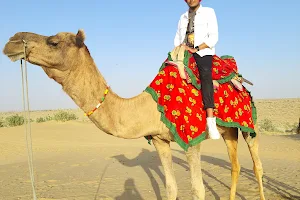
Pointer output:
x,y
212,128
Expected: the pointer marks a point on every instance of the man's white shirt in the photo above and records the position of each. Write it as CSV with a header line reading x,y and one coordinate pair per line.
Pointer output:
x,y
205,30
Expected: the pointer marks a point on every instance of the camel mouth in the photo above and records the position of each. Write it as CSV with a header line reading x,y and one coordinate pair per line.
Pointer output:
x,y
15,57
14,50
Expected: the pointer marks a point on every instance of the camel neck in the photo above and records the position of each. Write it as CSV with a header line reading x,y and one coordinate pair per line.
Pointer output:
x,y
124,118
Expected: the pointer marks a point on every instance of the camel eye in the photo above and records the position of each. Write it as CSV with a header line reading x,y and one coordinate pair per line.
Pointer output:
x,y
53,42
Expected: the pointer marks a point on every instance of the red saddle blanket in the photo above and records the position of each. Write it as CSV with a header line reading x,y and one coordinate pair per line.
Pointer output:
x,y
181,106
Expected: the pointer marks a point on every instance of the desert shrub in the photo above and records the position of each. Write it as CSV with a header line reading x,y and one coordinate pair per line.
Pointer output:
x,y
40,120
292,128
48,118
43,119
2,123
15,120
64,116
267,125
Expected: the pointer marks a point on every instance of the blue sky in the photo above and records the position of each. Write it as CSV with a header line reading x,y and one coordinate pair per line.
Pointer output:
x,y
130,39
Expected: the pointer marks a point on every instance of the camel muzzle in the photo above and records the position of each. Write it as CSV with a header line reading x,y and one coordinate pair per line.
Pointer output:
x,y
14,49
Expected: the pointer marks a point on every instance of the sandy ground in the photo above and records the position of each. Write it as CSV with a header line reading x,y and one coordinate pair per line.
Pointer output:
x,y
75,160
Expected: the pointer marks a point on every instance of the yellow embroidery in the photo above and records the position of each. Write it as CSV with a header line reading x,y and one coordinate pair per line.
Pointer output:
x,y
245,124
182,127
162,73
194,129
178,98
247,108
236,115
195,92
167,97
216,63
173,74
250,120
240,111
186,118
159,81
217,105
234,103
176,113
183,83
226,109
221,100
188,110
170,87
193,101
199,116
226,94
181,91
165,108
228,119
230,88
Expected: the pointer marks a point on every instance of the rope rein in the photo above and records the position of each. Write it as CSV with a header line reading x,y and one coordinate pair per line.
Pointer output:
x,y
27,120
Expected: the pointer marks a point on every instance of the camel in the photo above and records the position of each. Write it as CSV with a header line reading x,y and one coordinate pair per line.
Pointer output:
x,y
66,59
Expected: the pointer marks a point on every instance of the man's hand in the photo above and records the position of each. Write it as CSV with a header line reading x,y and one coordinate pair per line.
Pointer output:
x,y
192,50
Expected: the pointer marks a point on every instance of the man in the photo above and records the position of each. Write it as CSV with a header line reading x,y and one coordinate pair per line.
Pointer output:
x,y
198,32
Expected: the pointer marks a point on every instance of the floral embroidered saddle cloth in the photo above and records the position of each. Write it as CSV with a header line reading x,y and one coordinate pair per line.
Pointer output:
x,y
177,91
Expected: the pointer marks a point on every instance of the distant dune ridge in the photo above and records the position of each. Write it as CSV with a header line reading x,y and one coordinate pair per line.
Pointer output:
x,y
275,116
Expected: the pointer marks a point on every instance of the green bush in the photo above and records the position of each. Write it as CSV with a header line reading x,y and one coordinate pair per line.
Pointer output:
x,y
2,123
64,116
48,118
40,120
15,120
43,119
292,128
267,125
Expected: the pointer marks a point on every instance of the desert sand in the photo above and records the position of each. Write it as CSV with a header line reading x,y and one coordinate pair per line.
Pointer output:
x,y
75,160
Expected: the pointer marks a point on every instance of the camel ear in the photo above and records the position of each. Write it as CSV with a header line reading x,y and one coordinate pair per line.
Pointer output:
x,y
80,37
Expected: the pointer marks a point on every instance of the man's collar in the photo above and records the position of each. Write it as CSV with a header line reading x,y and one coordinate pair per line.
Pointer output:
x,y
186,14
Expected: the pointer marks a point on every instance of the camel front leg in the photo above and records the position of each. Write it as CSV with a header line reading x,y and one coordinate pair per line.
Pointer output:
x,y
257,166
231,139
193,158
164,152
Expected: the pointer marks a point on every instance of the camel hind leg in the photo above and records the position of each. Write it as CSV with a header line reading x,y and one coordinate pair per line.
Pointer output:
x,y
257,165
230,137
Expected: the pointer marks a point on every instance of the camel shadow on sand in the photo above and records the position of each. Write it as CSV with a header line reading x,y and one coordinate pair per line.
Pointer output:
x,y
150,163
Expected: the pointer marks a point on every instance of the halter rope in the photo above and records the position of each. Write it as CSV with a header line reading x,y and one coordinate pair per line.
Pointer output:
x,y
27,120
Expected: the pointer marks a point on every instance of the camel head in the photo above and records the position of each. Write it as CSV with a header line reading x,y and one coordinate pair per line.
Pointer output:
x,y
55,54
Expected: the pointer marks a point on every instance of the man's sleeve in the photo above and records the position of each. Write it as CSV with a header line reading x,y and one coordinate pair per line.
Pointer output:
x,y
177,40
212,38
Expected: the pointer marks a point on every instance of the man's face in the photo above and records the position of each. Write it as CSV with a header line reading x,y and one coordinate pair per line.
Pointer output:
x,y
193,3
